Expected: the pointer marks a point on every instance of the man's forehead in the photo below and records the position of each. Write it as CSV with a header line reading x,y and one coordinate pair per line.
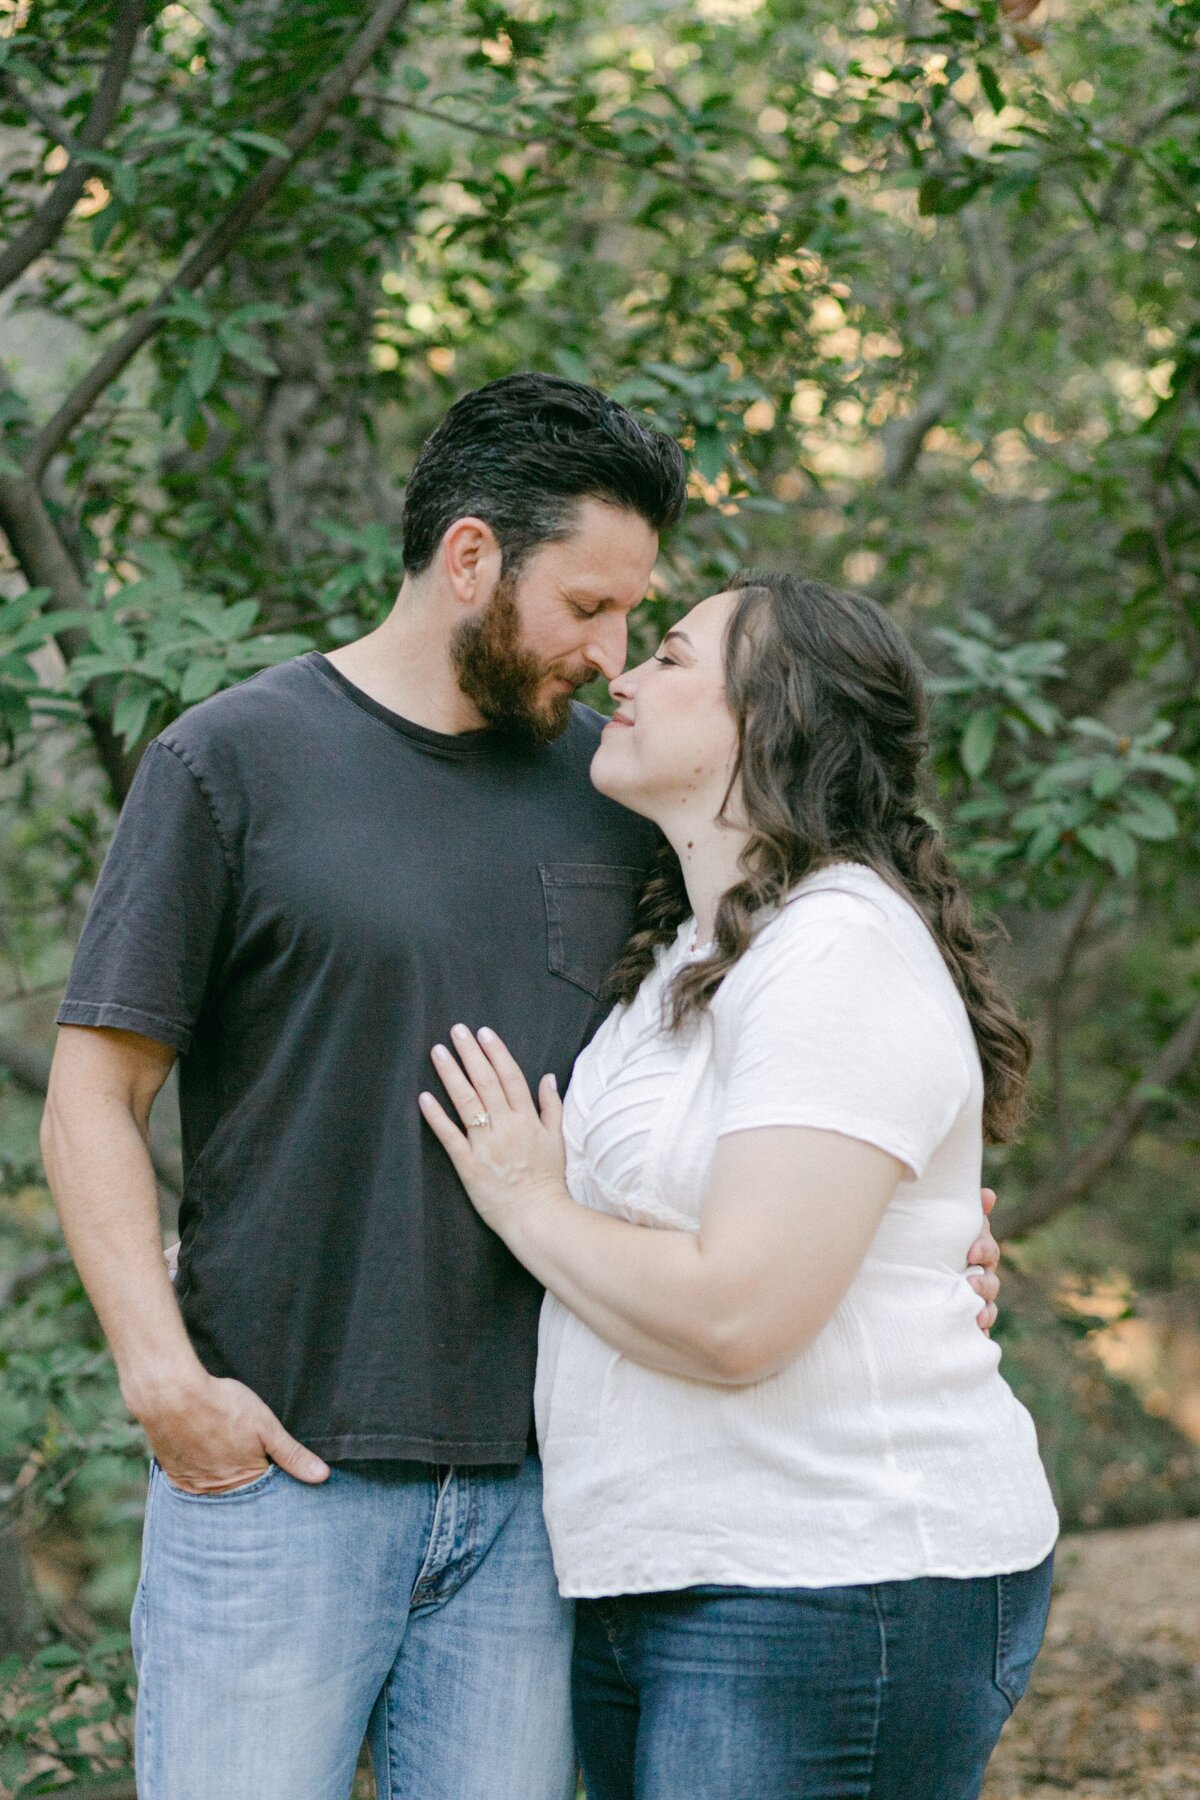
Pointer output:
x,y
609,556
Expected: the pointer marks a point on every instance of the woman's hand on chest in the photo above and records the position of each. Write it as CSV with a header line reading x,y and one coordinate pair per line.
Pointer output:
x,y
509,1152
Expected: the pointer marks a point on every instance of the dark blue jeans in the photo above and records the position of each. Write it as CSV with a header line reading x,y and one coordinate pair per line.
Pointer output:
x,y
894,1691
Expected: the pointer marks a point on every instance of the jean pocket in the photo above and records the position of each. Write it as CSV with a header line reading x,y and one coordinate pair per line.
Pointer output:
x,y
589,915
1022,1604
238,1493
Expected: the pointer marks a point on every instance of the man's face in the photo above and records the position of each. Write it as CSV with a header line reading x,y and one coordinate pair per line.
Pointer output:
x,y
558,624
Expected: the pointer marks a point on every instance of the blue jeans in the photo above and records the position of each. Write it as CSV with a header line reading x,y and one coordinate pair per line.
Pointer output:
x,y
896,1691
276,1626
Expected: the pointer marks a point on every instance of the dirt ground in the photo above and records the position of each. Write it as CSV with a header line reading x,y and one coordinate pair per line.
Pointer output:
x,y
1113,1710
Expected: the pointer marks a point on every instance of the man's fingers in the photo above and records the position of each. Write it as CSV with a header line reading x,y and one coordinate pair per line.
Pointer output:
x,y
986,1285
292,1457
985,1251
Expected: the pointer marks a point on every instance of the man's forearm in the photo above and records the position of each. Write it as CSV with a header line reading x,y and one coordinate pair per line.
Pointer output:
x,y
210,1434
102,1179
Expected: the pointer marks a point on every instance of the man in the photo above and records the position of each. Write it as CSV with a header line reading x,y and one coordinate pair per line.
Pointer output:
x,y
315,877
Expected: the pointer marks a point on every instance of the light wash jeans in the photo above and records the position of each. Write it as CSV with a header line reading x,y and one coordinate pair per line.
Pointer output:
x,y
276,1626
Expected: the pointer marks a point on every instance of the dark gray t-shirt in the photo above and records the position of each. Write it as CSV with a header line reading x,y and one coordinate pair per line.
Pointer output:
x,y
303,895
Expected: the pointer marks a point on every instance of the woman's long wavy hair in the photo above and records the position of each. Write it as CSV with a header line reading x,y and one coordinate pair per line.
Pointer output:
x,y
832,726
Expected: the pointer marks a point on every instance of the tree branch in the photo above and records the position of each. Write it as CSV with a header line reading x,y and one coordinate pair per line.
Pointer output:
x,y
213,248
39,549
1056,995
59,203
904,438
1056,1193
672,172
55,127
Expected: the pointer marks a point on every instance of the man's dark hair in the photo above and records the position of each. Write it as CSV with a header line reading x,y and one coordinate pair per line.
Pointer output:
x,y
522,452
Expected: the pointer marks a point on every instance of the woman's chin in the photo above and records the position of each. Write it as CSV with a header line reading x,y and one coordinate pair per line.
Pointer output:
x,y
608,778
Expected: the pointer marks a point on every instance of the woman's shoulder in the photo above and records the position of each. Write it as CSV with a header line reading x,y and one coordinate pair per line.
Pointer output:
x,y
840,900
852,925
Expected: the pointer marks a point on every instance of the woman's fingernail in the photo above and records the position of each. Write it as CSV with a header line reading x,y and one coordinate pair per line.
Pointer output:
x,y
554,1081
485,1034
459,1031
440,1052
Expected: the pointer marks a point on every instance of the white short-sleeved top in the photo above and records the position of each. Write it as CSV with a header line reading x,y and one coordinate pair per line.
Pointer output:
x,y
892,1447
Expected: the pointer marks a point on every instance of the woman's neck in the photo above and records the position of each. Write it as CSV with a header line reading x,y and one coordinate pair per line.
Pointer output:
x,y
709,858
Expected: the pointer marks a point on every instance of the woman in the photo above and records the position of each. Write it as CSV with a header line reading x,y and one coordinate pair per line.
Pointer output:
x,y
802,1513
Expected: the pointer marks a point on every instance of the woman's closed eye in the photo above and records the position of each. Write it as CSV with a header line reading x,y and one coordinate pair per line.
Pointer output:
x,y
668,662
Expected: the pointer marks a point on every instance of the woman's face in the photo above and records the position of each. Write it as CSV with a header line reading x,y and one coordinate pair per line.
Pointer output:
x,y
672,742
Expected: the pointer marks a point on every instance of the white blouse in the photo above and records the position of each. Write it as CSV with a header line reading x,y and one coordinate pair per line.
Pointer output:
x,y
891,1447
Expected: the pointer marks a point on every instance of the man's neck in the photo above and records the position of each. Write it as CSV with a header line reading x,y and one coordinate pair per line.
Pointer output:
x,y
405,665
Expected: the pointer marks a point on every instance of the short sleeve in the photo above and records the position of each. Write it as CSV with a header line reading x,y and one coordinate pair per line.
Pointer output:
x,y
153,931
832,1029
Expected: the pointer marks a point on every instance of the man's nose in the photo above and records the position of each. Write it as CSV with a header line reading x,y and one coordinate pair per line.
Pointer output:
x,y
608,647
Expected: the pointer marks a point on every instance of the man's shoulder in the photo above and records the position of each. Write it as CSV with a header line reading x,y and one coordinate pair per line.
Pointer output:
x,y
252,711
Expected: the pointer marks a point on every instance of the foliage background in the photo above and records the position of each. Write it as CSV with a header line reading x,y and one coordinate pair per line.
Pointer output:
x,y
917,285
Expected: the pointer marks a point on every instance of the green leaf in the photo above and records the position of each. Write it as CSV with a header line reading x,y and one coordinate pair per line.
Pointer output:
x,y
201,679
1042,843
204,364
978,743
272,647
1157,762
1110,844
943,194
261,140
1149,816
240,344
124,182
1109,777
1093,728
991,86
709,453
237,620
131,714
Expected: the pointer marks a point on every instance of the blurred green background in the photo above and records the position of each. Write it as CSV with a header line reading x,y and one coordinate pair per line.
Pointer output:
x,y
917,286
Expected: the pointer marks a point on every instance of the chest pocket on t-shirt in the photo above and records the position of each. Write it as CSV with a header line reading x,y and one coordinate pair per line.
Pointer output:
x,y
589,914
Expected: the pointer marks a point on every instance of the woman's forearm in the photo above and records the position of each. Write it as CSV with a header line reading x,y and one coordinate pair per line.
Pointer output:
x,y
646,1292
787,1218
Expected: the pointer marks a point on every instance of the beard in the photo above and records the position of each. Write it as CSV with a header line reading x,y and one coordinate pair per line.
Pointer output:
x,y
502,678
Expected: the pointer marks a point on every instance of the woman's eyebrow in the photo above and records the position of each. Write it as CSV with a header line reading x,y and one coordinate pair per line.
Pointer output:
x,y
683,637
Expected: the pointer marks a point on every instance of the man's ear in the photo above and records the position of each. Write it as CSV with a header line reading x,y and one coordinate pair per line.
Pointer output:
x,y
471,559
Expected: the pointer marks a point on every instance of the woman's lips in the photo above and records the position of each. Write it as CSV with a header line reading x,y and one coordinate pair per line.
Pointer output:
x,y
617,720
